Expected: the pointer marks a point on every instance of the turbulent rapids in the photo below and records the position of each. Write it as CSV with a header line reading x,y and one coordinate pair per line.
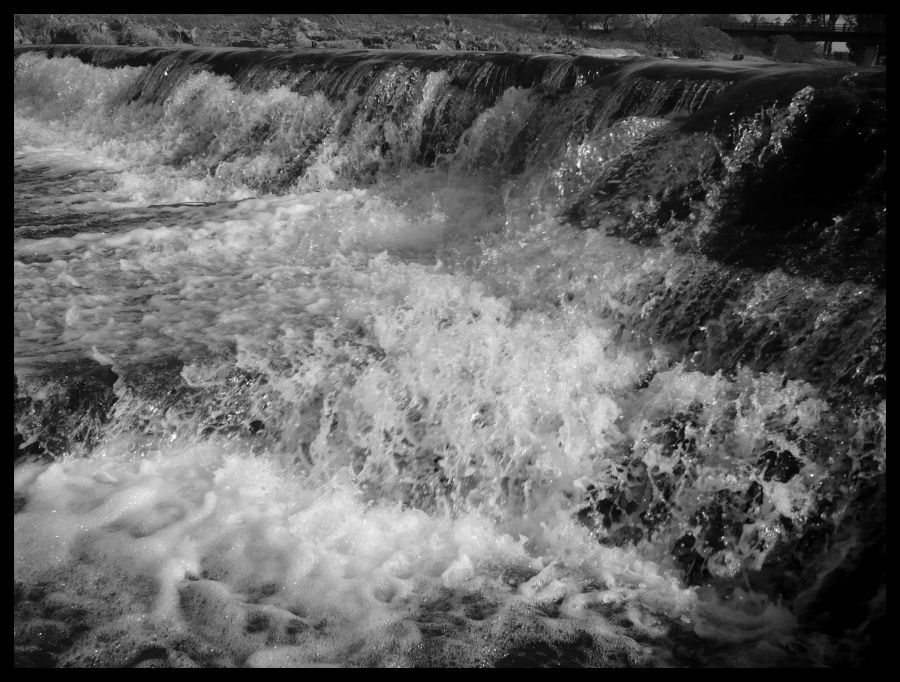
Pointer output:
x,y
368,358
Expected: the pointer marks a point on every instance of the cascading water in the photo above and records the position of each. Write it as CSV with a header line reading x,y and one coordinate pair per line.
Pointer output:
x,y
432,359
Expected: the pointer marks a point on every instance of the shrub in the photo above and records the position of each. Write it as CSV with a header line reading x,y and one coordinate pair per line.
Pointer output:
x,y
64,36
712,39
99,37
141,34
788,49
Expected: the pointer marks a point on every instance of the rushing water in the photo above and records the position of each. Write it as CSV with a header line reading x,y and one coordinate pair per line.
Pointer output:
x,y
316,363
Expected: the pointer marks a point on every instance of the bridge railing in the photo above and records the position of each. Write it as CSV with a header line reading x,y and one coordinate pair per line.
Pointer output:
x,y
773,26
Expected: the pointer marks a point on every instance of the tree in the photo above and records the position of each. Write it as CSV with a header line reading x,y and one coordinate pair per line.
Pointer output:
x,y
607,21
574,21
680,31
789,49
653,29
718,19
830,22
582,22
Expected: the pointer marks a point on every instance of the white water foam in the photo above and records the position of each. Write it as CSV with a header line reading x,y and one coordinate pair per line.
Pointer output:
x,y
435,409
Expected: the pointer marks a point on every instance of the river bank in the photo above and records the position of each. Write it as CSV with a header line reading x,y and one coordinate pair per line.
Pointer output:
x,y
473,33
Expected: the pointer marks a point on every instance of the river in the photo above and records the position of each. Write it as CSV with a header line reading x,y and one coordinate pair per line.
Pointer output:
x,y
361,358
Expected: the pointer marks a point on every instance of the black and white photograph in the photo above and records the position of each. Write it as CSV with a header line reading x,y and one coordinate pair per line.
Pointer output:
x,y
449,340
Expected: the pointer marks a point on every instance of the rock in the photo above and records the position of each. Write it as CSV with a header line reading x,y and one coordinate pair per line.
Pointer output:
x,y
782,466
301,42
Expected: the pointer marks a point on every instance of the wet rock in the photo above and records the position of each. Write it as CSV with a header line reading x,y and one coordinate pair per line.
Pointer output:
x,y
71,414
753,496
782,466
692,563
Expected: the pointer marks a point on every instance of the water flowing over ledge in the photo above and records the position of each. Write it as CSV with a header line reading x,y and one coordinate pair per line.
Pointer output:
x,y
414,358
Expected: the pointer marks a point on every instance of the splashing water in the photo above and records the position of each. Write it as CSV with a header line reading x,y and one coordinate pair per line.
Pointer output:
x,y
310,369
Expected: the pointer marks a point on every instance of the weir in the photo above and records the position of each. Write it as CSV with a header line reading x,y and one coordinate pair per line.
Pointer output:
x,y
587,349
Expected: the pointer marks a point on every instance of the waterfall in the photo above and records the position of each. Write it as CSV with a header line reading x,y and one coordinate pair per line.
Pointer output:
x,y
376,358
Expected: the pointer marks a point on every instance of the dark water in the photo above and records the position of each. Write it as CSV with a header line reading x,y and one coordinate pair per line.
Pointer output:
x,y
430,359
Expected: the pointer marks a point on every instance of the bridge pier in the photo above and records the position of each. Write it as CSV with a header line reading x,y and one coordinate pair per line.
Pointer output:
x,y
868,56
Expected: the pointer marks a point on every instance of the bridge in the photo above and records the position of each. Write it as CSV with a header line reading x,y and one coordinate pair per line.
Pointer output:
x,y
872,39
803,32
